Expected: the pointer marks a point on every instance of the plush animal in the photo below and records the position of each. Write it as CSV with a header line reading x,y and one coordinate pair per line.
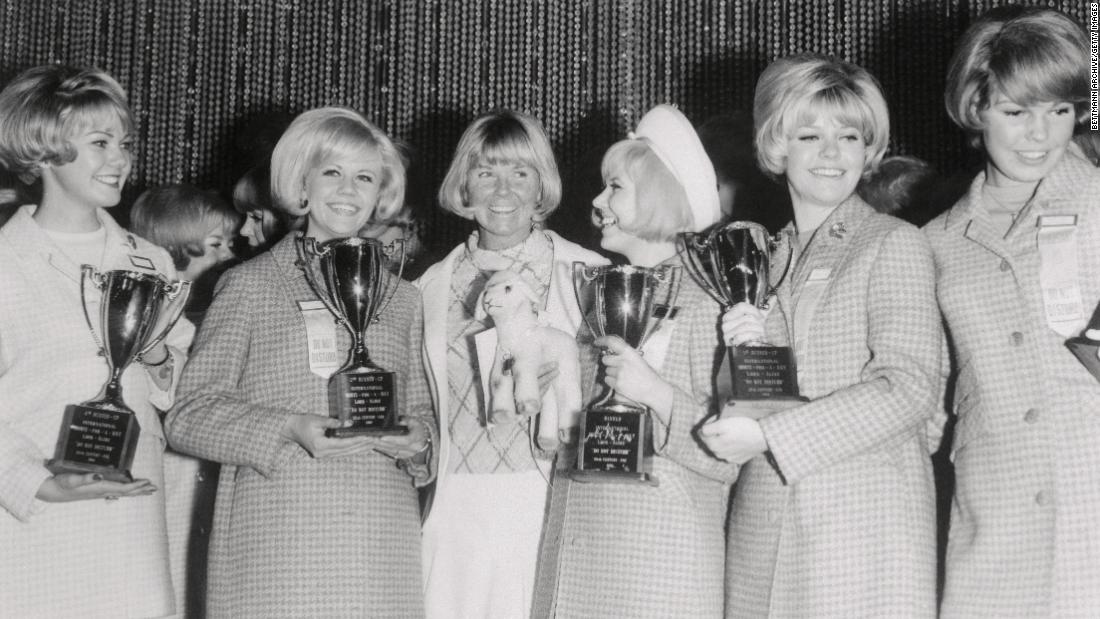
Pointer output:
x,y
523,346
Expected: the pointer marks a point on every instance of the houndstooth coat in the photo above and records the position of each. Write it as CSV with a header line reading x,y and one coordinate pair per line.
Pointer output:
x,y
296,536
86,558
838,519
634,550
1025,521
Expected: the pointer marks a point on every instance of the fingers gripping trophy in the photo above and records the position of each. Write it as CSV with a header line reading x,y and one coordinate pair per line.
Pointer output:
x,y
733,264
356,286
136,312
616,441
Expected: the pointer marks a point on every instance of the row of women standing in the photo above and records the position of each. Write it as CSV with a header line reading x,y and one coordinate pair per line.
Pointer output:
x,y
832,511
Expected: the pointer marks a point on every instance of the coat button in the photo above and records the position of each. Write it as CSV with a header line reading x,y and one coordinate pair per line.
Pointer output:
x,y
1017,338
773,516
1041,499
1005,266
1031,416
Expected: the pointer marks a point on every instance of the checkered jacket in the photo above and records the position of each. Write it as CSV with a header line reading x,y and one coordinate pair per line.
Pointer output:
x,y
635,550
296,536
839,518
1025,521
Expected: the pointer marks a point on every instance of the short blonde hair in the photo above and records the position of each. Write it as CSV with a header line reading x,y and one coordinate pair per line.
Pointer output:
x,y
1029,55
315,136
44,107
502,136
797,88
662,204
178,218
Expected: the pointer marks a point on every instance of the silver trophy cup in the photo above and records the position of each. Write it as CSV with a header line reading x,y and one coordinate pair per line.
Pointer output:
x,y
616,433
136,312
733,264
356,285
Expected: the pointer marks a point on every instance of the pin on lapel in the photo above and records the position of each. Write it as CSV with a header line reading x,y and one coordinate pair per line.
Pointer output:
x,y
838,230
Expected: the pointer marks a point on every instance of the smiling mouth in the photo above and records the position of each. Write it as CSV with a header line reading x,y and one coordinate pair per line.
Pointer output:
x,y
109,179
1032,155
605,220
502,210
827,172
344,209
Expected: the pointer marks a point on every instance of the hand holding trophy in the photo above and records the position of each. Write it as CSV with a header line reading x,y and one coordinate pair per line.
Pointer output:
x,y
136,312
356,287
732,263
616,442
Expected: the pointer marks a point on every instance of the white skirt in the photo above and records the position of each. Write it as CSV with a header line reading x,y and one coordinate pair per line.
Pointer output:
x,y
481,543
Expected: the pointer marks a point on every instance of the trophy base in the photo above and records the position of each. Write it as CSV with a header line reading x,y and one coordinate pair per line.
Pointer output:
x,y
107,472
96,437
1085,351
366,431
755,408
613,477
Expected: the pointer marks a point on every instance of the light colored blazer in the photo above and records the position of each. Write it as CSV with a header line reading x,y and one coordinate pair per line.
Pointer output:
x,y
1025,521
296,536
95,558
435,287
838,519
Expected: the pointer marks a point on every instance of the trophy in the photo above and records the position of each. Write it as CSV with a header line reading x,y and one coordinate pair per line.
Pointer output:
x,y
1086,345
357,286
616,443
732,263
136,312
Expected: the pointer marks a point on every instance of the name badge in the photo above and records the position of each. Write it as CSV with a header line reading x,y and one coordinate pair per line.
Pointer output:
x,y
1059,273
320,337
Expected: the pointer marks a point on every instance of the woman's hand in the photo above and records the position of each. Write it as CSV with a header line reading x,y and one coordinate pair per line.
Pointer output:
x,y
743,324
309,432
628,373
66,487
404,446
733,439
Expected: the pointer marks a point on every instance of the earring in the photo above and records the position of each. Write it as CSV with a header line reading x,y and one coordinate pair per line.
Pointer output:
x,y
305,204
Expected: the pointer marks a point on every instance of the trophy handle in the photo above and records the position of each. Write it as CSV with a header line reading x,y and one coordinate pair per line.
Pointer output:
x,y
176,293
774,242
582,277
687,248
673,274
387,250
307,248
88,272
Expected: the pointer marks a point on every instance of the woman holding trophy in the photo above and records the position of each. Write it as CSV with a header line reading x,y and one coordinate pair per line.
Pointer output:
x,y
615,545
308,523
89,543
482,532
834,512
1018,265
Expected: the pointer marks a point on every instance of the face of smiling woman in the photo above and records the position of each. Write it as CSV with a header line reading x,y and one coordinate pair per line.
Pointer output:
x,y
342,192
825,161
1024,142
96,177
503,196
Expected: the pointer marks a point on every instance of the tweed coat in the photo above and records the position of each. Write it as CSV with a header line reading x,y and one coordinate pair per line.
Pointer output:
x,y
635,550
295,536
1025,520
90,558
838,519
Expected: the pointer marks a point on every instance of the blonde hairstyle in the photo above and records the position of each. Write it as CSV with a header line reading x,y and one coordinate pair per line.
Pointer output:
x,y
662,204
502,136
1030,55
178,218
317,135
43,108
796,89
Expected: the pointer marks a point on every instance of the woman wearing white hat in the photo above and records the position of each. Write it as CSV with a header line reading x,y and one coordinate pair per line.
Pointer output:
x,y
637,550
834,513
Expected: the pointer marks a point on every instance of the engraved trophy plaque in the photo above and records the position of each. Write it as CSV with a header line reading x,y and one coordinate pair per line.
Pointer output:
x,y
356,286
136,312
732,263
616,442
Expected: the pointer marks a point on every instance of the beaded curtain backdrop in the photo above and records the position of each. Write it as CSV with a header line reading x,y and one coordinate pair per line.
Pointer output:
x,y
213,81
